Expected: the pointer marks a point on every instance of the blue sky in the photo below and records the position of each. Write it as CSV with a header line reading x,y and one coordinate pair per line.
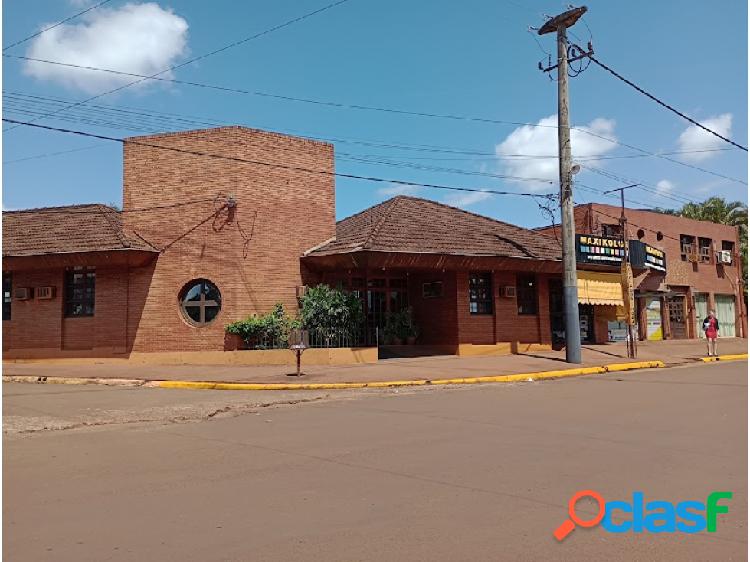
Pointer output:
x,y
473,58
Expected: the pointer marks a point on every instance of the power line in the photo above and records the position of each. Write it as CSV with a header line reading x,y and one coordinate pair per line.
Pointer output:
x,y
19,103
386,110
662,103
79,211
395,111
198,58
280,166
50,154
38,33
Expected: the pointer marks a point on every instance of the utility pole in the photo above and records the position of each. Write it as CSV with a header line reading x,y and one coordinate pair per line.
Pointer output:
x,y
626,272
560,25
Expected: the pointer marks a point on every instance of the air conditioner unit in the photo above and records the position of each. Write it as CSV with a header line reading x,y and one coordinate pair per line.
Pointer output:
x,y
22,294
44,293
725,256
301,291
508,292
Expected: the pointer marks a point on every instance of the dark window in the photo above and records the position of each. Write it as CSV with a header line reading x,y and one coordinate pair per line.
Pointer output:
x,y
611,230
7,291
432,290
688,251
704,249
480,293
200,301
727,246
80,290
526,298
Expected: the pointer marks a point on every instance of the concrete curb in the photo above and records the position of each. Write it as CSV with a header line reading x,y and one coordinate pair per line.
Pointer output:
x,y
73,380
200,385
735,357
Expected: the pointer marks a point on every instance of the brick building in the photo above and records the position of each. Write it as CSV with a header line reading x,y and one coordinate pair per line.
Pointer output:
x,y
200,241
475,284
701,271
221,223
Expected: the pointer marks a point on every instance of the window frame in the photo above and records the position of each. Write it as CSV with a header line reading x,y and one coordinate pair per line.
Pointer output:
x,y
88,300
481,306
524,291
687,241
704,256
202,304
611,230
432,290
7,295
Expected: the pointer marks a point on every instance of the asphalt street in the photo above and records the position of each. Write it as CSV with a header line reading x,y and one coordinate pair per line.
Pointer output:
x,y
479,472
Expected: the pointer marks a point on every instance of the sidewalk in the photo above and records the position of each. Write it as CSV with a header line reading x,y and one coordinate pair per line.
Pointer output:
x,y
444,366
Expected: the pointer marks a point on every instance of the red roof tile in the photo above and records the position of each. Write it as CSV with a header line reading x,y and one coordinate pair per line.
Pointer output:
x,y
62,230
413,225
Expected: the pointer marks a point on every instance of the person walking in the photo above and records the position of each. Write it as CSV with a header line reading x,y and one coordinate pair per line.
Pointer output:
x,y
711,329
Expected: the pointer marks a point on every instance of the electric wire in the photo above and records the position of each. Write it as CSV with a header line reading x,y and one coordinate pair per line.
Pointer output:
x,y
273,165
662,103
66,20
197,58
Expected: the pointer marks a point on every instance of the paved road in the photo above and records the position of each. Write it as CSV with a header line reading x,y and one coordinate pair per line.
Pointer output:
x,y
464,473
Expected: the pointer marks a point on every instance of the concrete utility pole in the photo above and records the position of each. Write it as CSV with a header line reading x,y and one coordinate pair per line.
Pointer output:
x,y
628,296
560,25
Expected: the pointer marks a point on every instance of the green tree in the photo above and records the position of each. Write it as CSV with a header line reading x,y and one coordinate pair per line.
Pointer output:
x,y
328,312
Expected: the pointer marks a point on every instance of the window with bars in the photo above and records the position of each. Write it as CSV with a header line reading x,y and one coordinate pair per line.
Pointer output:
x,y
480,293
704,249
687,248
80,291
611,230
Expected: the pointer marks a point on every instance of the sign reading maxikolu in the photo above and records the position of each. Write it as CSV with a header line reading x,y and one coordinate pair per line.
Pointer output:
x,y
599,250
602,250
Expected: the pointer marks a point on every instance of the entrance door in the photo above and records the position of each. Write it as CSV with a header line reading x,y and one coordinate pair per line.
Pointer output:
x,y
586,319
653,319
701,311
676,309
725,315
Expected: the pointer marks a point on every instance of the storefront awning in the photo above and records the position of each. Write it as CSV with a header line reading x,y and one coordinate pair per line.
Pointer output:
x,y
599,288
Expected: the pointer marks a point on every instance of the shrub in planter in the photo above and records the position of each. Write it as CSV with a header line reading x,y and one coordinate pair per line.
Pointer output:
x,y
330,313
400,327
264,331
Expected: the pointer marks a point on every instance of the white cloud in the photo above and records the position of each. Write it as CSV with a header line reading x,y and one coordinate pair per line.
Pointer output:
x,y
695,138
540,141
466,199
137,38
664,186
394,189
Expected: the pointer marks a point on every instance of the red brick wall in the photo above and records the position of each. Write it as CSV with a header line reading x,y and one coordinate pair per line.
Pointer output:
x,y
505,324
285,211
40,323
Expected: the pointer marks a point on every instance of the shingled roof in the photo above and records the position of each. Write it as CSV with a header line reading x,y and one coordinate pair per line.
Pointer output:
x,y
63,230
415,225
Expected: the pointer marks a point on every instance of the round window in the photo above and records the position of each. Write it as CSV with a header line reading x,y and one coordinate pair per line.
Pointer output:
x,y
200,302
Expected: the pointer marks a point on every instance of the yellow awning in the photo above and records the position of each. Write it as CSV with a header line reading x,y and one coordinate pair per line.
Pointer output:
x,y
599,288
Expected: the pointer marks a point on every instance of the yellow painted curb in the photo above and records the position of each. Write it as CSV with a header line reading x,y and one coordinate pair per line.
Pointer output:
x,y
736,357
518,377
